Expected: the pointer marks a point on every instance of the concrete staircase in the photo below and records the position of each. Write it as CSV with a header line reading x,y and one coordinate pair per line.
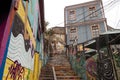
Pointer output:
x,y
58,68
47,73
65,73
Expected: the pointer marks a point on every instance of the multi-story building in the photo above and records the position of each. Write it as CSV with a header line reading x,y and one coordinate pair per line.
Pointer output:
x,y
84,21
21,42
59,33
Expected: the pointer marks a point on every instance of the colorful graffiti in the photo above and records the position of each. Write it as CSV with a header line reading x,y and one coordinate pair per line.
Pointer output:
x,y
116,57
21,61
105,70
91,67
5,27
77,61
22,47
16,71
81,67
33,13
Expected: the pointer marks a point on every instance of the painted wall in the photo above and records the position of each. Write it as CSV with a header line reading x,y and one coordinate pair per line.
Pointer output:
x,y
84,32
82,12
117,63
33,13
82,15
91,68
116,58
22,61
77,63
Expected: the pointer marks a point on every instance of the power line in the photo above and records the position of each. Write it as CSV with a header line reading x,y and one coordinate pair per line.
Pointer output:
x,y
112,5
114,1
97,10
118,23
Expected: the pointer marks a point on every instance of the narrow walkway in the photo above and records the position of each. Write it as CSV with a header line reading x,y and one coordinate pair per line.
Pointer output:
x,y
58,68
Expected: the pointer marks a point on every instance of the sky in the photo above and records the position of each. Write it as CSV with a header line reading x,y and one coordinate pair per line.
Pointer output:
x,y
54,11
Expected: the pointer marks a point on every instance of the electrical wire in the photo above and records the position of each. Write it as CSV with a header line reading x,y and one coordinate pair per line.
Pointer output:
x,y
113,1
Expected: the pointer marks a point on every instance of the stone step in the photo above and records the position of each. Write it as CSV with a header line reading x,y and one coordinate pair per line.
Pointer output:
x,y
68,77
62,67
46,75
46,70
46,78
65,74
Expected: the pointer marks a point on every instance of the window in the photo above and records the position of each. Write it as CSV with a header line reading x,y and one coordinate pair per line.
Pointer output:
x,y
72,30
95,30
92,12
72,15
73,34
73,37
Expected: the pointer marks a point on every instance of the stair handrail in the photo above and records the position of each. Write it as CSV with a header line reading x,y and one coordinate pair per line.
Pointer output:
x,y
54,74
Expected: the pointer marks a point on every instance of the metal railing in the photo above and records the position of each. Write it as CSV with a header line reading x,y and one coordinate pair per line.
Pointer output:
x,y
54,74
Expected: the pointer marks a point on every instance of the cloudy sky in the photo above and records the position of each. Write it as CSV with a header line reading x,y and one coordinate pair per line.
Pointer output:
x,y
54,11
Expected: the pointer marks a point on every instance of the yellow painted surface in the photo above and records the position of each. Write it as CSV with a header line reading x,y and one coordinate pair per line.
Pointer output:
x,y
21,12
8,72
37,66
40,66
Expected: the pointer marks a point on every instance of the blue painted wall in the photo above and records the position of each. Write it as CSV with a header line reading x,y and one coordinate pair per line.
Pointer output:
x,y
82,15
33,13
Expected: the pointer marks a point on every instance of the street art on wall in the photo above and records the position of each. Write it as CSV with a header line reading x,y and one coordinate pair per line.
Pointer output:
x,y
116,57
16,71
117,64
91,67
18,31
81,67
6,18
19,48
20,55
33,13
106,70
105,65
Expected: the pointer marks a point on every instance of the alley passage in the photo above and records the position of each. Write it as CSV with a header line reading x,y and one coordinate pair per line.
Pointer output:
x,y
58,68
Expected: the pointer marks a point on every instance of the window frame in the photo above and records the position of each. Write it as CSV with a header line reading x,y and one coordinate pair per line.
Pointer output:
x,y
96,30
92,11
73,34
72,16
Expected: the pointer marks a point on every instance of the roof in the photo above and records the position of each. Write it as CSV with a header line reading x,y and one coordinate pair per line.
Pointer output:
x,y
109,37
59,30
111,32
92,2
109,28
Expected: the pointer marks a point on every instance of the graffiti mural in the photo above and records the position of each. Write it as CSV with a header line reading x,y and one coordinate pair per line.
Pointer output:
x,y
33,12
116,58
20,46
19,30
81,67
16,71
91,67
20,59
106,70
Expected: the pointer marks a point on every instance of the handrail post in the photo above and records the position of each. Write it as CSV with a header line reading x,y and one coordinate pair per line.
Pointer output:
x,y
55,78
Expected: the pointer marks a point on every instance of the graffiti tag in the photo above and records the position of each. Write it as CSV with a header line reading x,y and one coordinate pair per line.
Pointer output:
x,y
16,71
